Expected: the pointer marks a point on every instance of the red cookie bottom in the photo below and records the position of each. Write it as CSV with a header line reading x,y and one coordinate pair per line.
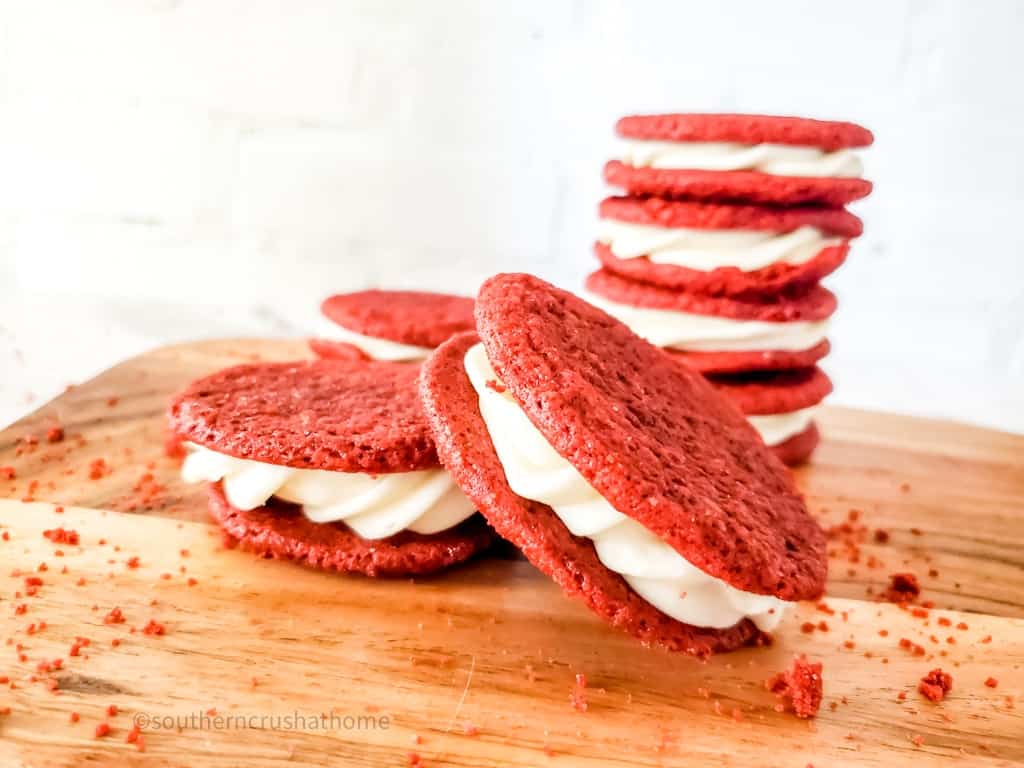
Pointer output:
x,y
798,448
336,350
743,362
280,531
736,186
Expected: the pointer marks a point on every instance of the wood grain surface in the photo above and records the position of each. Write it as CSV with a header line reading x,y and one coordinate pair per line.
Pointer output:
x,y
269,664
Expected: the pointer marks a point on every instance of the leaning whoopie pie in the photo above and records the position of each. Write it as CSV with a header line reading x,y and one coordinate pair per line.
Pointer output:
x,y
619,473
389,325
781,406
741,158
718,249
721,334
330,463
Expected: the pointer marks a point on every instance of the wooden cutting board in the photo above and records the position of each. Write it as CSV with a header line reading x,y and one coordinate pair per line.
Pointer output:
x,y
267,664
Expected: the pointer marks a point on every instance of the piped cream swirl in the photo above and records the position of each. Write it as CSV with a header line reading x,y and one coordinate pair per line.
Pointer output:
x,y
374,506
709,249
775,159
374,346
707,333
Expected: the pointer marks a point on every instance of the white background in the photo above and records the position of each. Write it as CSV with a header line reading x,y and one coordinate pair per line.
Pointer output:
x,y
180,169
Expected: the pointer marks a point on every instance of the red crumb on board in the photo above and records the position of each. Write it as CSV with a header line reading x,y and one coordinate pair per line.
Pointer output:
x,y
801,685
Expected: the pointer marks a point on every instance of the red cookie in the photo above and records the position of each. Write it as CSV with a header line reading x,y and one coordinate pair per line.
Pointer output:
x,y
742,362
279,530
466,449
337,350
655,440
740,186
775,391
727,281
340,415
827,135
798,448
816,303
654,212
417,318
336,415
736,186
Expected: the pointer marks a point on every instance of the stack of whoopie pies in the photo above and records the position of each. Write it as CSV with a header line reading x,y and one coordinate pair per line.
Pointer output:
x,y
626,477
717,251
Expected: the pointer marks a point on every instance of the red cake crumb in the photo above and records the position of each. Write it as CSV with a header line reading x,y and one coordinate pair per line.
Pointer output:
x,y
801,685
935,685
112,710
62,536
55,434
991,682
147,493
114,617
98,468
903,587
75,717
153,627
496,385
908,645
917,739
132,562
102,730
7,473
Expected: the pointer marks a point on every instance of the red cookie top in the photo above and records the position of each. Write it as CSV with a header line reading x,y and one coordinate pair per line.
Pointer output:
x,y
408,317
652,437
656,212
746,129
769,392
817,303
339,415
465,446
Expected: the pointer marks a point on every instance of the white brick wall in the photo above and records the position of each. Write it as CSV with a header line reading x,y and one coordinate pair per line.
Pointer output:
x,y
193,168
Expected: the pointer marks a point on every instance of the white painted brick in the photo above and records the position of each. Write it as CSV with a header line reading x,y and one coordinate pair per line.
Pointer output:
x,y
242,158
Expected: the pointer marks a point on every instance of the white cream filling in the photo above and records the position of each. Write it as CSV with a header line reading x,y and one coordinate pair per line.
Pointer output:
x,y
777,428
775,159
654,570
709,249
374,506
706,333
377,348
